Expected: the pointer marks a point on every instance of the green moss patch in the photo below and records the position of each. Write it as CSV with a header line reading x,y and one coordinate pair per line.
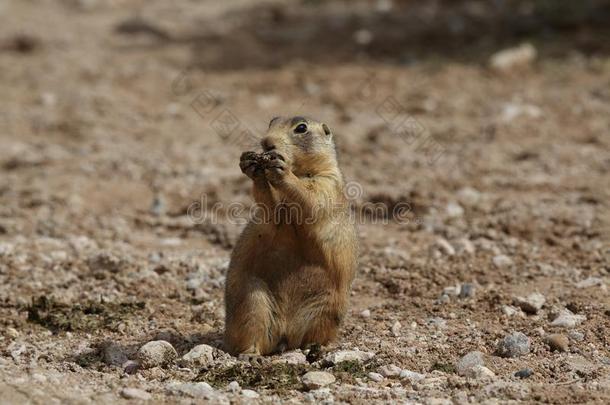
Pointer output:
x,y
277,377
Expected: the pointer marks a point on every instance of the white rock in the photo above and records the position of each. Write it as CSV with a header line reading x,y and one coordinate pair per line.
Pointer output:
x,y
589,282
349,355
502,261
454,210
293,357
444,247
200,355
514,345
317,379
464,246
395,329
469,196
389,370
250,394
135,393
567,319
466,365
156,353
233,387
366,313
482,372
12,332
411,375
512,111
513,58
195,390
375,376
509,310
532,303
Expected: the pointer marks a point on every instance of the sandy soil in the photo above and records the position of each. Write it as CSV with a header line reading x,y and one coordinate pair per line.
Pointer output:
x,y
121,119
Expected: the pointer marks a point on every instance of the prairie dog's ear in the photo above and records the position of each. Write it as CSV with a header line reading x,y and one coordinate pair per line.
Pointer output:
x,y
273,120
326,129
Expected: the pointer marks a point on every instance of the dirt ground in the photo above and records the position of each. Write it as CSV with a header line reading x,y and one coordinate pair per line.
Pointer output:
x,y
121,119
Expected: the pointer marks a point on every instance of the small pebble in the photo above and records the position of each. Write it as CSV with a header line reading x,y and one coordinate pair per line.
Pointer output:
x,y
567,319
525,373
501,261
135,393
375,377
395,329
156,353
250,394
233,387
466,365
514,345
130,367
200,356
557,342
411,375
366,313
12,332
389,371
444,247
467,290
531,304
317,379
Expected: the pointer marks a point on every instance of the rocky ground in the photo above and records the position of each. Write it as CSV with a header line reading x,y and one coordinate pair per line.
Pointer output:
x,y
485,280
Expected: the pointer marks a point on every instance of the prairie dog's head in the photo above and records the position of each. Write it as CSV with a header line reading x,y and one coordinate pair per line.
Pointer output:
x,y
307,145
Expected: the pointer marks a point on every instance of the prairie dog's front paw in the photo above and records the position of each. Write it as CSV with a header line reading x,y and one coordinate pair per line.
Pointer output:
x,y
249,163
275,167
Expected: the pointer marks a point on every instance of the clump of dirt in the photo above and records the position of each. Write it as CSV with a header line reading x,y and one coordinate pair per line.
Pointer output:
x,y
87,317
348,371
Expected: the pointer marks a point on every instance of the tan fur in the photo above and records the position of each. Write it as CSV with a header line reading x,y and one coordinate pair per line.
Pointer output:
x,y
291,271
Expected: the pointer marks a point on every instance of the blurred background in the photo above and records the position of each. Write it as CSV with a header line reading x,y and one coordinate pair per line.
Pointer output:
x,y
490,119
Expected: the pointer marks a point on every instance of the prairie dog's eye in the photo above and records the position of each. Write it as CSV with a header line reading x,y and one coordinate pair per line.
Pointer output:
x,y
300,129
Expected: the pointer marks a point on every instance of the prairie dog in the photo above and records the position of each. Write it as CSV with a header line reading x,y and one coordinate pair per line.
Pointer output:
x,y
292,268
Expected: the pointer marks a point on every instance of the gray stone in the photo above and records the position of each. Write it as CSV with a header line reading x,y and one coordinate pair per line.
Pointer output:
x,y
293,357
349,355
501,261
465,366
514,345
375,377
525,373
589,282
411,375
113,354
198,356
567,319
135,393
467,290
156,353
390,370
317,379
481,372
234,387
251,394
531,304
130,366
194,390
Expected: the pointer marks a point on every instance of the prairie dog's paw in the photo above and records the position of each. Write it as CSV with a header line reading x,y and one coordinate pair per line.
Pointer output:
x,y
275,167
249,163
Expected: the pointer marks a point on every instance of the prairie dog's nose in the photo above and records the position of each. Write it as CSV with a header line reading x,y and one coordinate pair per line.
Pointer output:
x,y
267,144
